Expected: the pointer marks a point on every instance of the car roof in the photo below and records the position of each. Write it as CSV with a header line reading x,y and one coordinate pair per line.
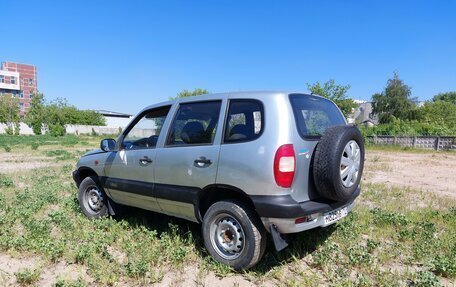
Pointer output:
x,y
221,96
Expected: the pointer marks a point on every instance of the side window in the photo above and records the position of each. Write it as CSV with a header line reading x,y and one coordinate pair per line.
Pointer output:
x,y
245,121
145,132
195,123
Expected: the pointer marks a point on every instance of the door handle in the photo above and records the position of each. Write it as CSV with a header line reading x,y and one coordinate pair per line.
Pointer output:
x,y
202,161
145,160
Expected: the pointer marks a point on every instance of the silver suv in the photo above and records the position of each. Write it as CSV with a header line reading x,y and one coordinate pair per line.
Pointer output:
x,y
243,164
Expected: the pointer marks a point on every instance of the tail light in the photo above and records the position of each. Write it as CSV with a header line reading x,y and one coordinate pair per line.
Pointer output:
x,y
284,165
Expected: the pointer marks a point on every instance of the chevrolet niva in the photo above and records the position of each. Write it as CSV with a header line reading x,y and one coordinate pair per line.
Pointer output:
x,y
244,165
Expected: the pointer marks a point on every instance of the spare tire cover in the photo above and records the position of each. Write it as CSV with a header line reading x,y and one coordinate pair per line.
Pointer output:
x,y
338,162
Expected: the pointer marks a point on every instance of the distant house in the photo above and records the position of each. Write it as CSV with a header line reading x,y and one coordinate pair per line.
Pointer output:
x,y
115,119
363,114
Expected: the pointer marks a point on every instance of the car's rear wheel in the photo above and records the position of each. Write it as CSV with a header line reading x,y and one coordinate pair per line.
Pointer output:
x,y
92,198
233,234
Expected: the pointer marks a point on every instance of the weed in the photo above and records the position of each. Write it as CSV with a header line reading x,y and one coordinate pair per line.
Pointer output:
x,y
6,181
444,265
66,283
382,217
358,255
7,148
327,253
27,276
137,269
425,279
60,154
35,145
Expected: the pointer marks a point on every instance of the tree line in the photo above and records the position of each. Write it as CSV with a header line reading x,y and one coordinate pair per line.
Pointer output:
x,y
398,113
50,117
401,114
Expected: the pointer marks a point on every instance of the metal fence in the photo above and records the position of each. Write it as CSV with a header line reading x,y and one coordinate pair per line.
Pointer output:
x,y
426,142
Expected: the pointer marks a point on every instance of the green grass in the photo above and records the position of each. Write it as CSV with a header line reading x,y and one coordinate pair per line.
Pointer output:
x,y
393,237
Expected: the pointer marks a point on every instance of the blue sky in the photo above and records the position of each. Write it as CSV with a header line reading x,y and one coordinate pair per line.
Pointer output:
x,y
124,55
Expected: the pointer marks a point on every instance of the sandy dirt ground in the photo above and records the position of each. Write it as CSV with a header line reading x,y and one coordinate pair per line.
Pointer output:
x,y
13,162
431,172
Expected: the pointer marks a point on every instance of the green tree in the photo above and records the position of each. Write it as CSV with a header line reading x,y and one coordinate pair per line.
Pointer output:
x,y
187,93
56,117
440,113
36,115
9,113
445,97
336,93
394,102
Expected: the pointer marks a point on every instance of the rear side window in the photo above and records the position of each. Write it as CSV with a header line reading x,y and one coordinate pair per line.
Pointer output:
x,y
195,123
314,115
245,121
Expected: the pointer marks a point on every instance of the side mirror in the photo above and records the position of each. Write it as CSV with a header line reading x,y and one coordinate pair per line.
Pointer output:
x,y
108,144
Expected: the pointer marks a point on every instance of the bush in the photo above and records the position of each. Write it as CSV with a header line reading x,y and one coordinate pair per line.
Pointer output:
x,y
408,128
9,131
57,130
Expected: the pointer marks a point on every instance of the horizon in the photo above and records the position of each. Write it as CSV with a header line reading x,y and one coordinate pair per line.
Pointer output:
x,y
120,52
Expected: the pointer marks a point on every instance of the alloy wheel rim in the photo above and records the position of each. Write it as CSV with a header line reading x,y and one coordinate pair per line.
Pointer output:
x,y
349,163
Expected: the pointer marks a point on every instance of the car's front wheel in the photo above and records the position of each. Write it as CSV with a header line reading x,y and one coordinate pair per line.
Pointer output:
x,y
92,198
233,234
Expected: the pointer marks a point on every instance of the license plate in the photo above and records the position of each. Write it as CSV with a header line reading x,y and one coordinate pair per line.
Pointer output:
x,y
335,215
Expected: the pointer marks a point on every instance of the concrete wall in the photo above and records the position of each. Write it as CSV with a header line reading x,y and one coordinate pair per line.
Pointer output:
x,y
83,129
24,129
70,129
115,122
426,142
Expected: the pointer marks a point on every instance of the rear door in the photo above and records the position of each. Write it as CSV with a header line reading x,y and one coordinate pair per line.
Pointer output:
x,y
129,172
189,159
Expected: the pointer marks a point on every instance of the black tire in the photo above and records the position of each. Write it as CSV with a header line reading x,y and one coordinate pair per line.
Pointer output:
x,y
86,193
327,162
254,240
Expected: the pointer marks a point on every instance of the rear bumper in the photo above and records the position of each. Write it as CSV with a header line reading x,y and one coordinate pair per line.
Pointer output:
x,y
283,210
288,225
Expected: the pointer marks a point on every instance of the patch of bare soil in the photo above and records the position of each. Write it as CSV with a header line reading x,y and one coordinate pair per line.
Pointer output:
x,y
49,274
433,172
192,276
13,162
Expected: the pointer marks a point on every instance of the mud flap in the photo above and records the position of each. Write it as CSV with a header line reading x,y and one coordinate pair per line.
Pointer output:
x,y
279,242
112,207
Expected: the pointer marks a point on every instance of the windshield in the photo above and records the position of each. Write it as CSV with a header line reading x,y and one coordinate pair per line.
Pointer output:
x,y
314,114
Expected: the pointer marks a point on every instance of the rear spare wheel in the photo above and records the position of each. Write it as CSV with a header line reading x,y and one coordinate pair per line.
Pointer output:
x,y
338,162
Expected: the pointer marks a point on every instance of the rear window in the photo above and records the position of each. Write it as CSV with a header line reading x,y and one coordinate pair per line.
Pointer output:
x,y
314,115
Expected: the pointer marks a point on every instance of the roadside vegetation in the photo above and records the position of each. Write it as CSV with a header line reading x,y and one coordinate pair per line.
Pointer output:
x,y
399,113
45,117
394,236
